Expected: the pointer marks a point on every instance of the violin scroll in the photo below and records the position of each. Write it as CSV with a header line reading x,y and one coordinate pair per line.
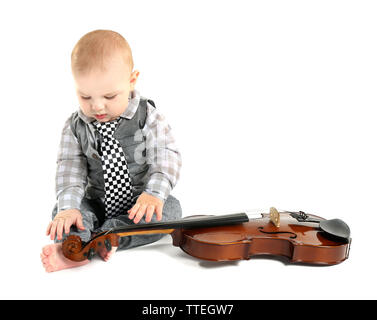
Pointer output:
x,y
72,246
76,250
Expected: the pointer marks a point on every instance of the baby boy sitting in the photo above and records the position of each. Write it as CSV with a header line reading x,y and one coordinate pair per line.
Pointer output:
x,y
117,162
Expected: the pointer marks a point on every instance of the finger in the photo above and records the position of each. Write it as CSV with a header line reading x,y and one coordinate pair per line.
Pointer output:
x,y
140,213
133,210
67,226
59,229
53,229
150,211
159,212
48,228
79,222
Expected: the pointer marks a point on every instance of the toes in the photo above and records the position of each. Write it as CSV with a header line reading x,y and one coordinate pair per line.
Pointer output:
x,y
49,268
46,257
110,253
45,261
47,250
47,265
106,257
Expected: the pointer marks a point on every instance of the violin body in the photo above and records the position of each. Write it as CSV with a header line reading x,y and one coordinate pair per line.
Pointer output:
x,y
299,237
299,242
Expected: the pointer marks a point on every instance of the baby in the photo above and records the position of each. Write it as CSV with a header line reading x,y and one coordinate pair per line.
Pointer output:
x,y
117,162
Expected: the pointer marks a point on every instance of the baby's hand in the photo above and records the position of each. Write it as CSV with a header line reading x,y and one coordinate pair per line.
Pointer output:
x,y
64,219
146,204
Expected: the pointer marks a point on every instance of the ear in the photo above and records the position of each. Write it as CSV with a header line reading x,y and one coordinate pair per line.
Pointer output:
x,y
133,79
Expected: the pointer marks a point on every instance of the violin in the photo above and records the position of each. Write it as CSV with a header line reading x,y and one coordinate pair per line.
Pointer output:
x,y
298,236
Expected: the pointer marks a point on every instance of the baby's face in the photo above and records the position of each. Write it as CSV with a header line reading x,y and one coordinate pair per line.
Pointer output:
x,y
103,95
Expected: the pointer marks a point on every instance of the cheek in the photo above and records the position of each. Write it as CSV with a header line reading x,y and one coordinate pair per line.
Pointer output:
x,y
119,106
85,107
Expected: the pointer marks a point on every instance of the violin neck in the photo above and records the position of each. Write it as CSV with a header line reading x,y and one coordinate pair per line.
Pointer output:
x,y
186,223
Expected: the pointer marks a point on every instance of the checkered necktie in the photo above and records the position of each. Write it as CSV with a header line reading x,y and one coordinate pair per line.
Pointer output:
x,y
118,188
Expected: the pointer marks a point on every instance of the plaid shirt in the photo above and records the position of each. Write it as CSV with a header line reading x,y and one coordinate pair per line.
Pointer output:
x,y
161,154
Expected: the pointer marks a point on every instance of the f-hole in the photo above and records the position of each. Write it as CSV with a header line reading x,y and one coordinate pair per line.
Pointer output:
x,y
293,235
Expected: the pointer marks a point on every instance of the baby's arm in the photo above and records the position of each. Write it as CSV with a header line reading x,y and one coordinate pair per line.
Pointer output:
x,y
71,178
162,155
71,172
165,164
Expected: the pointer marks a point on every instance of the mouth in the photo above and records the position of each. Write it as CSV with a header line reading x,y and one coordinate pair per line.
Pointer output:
x,y
100,116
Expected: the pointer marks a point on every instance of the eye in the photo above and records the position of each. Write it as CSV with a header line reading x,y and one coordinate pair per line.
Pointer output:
x,y
109,98
85,98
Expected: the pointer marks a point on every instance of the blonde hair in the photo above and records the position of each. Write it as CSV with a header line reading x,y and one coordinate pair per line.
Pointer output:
x,y
96,47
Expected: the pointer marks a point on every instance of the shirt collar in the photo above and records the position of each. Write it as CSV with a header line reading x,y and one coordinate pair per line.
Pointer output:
x,y
133,103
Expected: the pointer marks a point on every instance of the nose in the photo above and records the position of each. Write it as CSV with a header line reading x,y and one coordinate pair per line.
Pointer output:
x,y
98,106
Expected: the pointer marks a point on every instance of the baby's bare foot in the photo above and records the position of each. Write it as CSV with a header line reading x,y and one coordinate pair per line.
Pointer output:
x,y
53,259
105,254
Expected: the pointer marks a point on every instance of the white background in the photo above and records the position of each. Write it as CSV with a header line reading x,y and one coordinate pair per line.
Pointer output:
x,y
272,103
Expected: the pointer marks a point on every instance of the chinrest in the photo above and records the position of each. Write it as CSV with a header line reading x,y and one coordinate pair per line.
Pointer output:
x,y
336,228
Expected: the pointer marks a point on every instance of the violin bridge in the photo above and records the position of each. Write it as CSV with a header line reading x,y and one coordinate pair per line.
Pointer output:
x,y
275,217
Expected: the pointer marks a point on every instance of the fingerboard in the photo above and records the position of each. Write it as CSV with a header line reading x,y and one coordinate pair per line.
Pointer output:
x,y
187,223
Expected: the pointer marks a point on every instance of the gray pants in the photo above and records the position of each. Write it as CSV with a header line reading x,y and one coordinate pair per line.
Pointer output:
x,y
93,213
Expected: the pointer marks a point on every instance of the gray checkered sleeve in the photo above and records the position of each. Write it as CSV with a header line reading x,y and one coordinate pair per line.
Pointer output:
x,y
71,171
162,155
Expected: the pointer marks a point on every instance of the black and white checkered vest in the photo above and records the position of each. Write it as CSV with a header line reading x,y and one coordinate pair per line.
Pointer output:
x,y
133,144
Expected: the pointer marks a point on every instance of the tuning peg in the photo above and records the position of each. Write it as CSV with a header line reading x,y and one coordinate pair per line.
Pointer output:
x,y
108,244
91,253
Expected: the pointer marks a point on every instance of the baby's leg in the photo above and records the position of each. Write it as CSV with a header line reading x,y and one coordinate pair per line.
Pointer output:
x,y
171,211
52,256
